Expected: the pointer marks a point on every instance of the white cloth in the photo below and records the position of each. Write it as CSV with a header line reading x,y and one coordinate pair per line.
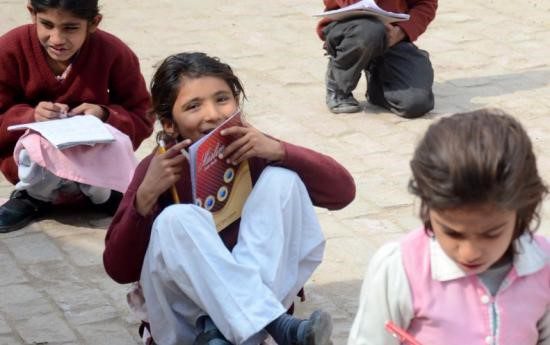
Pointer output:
x,y
188,271
43,185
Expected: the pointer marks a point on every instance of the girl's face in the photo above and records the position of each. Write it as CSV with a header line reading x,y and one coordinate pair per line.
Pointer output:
x,y
474,236
201,105
61,33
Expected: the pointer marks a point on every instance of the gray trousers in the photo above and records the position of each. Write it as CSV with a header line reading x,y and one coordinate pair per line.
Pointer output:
x,y
399,78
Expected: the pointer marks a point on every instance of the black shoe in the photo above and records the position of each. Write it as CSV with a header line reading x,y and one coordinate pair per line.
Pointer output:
x,y
20,210
317,331
111,205
211,337
341,103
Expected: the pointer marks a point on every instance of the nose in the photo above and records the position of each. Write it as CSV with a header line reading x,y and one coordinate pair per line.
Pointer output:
x,y
213,113
470,253
56,37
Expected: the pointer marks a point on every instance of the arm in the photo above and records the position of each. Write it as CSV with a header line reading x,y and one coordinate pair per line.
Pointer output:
x,y
128,235
422,12
329,184
129,99
385,295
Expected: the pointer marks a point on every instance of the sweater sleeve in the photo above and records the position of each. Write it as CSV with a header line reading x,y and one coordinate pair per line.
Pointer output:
x,y
13,109
385,296
422,12
128,235
128,98
329,184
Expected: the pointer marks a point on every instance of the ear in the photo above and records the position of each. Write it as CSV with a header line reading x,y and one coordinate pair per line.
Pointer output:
x,y
32,12
94,23
169,126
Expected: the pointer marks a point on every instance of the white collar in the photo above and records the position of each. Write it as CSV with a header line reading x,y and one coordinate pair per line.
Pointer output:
x,y
528,259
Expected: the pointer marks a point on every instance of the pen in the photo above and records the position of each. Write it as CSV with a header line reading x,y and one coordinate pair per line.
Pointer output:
x,y
175,197
400,334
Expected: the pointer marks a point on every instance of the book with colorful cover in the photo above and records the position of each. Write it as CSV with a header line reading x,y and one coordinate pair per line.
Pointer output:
x,y
218,186
364,8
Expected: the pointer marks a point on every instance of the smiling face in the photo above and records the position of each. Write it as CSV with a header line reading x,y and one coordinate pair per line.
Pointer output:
x,y
476,236
61,34
201,105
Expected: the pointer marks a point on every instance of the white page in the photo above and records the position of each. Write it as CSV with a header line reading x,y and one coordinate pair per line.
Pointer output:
x,y
362,8
71,131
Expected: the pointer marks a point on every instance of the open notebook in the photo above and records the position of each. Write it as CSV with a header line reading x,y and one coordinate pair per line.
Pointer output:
x,y
71,131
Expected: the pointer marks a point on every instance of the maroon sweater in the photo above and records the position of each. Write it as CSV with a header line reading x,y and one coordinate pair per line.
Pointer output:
x,y
105,72
422,12
329,185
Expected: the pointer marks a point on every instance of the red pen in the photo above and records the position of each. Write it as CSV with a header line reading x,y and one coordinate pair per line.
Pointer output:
x,y
400,334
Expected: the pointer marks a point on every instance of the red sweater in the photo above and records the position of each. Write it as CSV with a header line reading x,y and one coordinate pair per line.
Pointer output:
x,y
105,72
329,185
422,12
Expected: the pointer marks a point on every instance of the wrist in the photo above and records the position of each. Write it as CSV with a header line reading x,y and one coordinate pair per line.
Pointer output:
x,y
145,200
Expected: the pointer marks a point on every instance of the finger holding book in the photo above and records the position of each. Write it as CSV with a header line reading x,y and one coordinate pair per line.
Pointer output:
x,y
163,172
250,142
45,111
90,109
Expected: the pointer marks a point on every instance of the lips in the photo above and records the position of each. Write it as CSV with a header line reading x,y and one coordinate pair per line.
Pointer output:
x,y
471,266
58,50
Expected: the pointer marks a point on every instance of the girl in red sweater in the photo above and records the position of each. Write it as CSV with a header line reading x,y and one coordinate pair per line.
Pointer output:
x,y
63,65
234,287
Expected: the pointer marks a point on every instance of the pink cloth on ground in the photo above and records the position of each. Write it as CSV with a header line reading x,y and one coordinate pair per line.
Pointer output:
x,y
108,165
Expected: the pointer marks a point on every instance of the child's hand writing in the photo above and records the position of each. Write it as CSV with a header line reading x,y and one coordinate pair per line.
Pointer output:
x,y
163,172
45,111
90,109
250,142
395,34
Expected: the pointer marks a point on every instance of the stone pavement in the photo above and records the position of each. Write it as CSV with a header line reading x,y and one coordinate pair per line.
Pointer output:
x,y
485,53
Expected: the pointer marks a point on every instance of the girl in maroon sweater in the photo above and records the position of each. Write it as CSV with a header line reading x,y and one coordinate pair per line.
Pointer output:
x,y
202,287
63,65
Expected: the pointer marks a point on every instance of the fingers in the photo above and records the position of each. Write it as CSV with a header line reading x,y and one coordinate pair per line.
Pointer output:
x,y
49,111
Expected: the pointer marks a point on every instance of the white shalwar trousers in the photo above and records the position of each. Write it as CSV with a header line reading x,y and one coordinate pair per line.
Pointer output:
x,y
188,272
43,185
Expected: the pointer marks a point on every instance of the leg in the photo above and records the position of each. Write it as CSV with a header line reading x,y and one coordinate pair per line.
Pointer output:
x,y
186,260
351,46
188,272
401,81
280,213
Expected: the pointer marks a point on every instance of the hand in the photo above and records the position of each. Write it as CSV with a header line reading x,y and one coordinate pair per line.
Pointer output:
x,y
163,172
395,34
45,111
250,142
90,109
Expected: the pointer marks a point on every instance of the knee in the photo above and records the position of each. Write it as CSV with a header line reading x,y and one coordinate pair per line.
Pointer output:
x,y
179,218
413,103
278,178
366,34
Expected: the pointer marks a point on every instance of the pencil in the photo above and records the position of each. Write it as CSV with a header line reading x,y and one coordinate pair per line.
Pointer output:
x,y
400,334
175,197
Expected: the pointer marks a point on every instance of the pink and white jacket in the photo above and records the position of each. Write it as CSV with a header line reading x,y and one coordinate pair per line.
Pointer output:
x,y
417,286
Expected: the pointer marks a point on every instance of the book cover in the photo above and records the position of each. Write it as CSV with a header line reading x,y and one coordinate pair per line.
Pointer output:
x,y
71,131
364,8
219,187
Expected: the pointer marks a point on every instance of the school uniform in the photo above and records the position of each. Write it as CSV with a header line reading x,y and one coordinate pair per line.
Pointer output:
x,y
104,72
417,286
400,77
245,276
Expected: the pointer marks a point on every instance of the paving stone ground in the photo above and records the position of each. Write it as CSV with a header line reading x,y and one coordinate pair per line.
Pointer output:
x,y
53,289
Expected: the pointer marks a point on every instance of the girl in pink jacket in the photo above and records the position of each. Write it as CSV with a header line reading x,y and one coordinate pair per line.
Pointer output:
x,y
475,273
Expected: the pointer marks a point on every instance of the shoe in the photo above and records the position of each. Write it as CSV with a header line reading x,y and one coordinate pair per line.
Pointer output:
x,y
318,330
20,210
339,103
211,337
111,205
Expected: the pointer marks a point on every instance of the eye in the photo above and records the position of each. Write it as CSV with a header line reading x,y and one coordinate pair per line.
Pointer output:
x,y
492,235
454,234
192,106
47,25
223,99
71,28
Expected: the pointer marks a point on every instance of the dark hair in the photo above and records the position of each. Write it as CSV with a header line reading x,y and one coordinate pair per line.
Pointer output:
x,y
483,156
166,82
85,9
